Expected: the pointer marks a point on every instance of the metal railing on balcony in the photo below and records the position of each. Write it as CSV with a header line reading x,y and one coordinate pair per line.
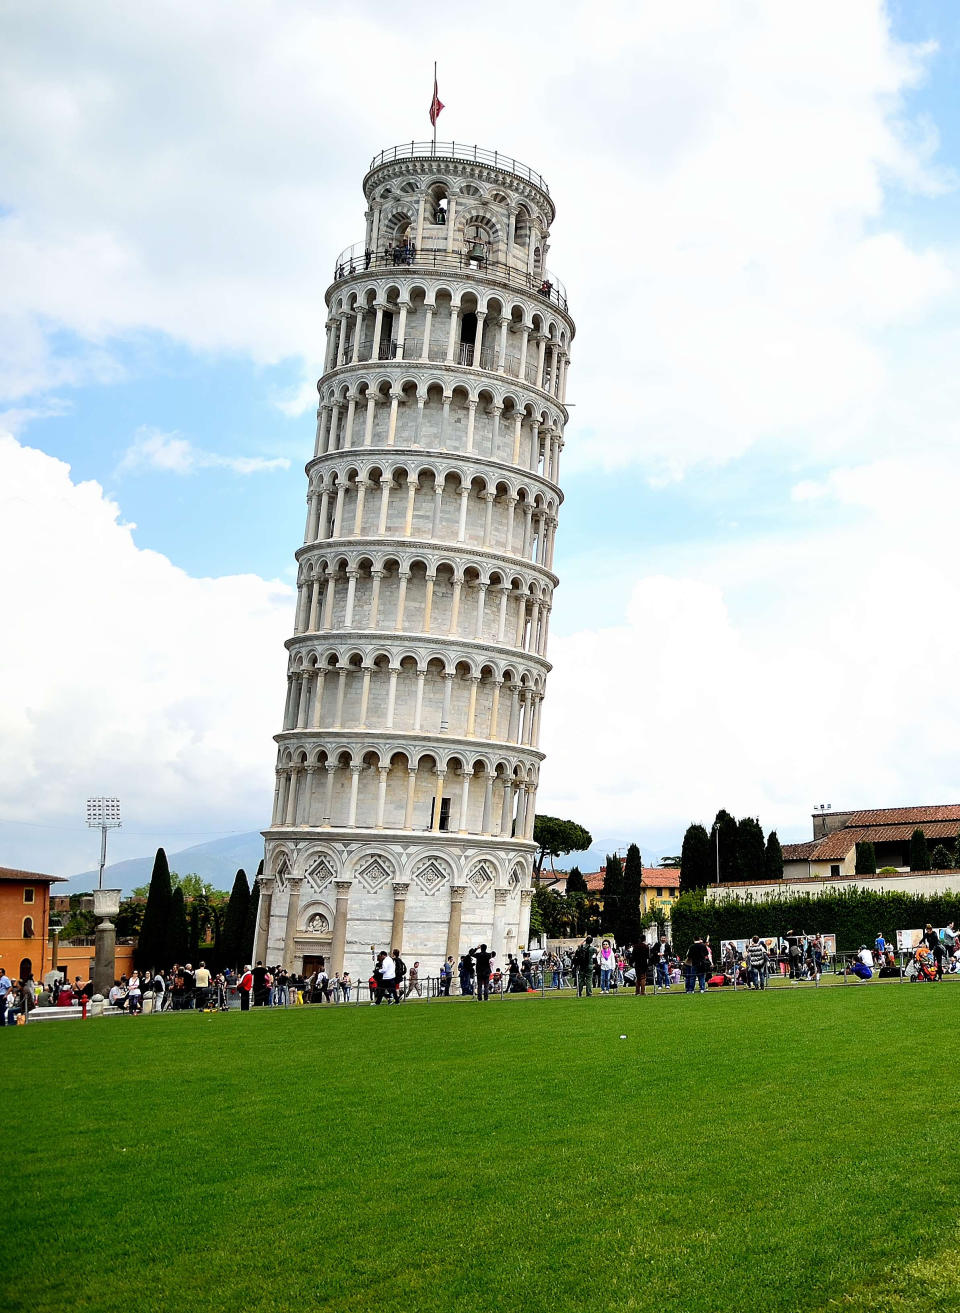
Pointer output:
x,y
359,258
453,150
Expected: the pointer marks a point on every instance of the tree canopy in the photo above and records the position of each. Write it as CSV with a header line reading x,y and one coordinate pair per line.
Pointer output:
x,y
554,838
696,860
152,945
773,857
576,884
919,853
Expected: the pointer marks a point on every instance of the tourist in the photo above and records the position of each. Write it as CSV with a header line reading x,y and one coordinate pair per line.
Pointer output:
x,y
387,983
467,973
117,996
134,994
583,960
756,964
346,984
245,988
865,956
483,961
6,985
446,977
261,984
932,940
698,959
608,964
661,965
641,965
400,970
413,981
201,986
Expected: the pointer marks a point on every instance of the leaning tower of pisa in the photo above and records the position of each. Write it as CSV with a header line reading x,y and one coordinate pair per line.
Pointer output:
x,y
408,760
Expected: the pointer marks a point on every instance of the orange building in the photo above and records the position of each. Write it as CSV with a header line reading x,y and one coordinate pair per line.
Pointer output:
x,y
24,922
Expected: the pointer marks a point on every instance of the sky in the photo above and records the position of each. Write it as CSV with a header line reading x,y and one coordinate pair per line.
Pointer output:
x,y
757,216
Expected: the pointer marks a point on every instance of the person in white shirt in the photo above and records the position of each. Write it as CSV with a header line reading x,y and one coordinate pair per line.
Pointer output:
x,y
388,980
117,995
201,979
133,994
865,956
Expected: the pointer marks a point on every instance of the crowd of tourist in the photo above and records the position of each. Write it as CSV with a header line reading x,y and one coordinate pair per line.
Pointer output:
x,y
593,965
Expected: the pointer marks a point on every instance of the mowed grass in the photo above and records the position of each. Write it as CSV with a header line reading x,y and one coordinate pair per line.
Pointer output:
x,y
785,1151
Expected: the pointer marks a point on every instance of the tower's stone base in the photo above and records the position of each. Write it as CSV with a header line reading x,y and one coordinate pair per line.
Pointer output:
x,y
345,895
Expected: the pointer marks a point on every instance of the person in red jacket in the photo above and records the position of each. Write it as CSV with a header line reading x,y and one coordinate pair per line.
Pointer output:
x,y
245,985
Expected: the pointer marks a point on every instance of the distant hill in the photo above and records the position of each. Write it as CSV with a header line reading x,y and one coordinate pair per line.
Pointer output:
x,y
217,862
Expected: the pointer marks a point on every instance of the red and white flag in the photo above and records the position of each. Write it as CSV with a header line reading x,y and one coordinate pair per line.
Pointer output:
x,y
436,105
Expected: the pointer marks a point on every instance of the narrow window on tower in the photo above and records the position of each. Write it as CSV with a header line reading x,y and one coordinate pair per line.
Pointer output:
x,y
444,813
388,347
468,337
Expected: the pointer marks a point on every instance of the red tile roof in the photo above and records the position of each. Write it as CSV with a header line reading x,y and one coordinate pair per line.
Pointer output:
x,y
836,846
912,816
654,877
799,852
10,873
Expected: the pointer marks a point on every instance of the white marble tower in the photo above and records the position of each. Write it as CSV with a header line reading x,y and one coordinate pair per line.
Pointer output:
x,y
408,761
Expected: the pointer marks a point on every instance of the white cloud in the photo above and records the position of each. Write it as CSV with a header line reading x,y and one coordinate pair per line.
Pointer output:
x,y
772,674
721,172
121,673
171,454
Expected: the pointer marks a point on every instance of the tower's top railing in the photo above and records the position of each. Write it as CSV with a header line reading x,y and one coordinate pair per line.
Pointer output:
x,y
453,150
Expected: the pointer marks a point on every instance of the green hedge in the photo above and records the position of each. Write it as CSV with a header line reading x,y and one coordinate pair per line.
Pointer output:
x,y
854,915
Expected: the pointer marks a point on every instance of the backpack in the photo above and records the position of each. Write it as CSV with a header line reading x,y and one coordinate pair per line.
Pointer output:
x,y
580,958
401,967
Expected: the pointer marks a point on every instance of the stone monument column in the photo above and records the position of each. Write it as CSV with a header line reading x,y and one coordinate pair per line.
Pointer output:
x,y
294,885
339,927
106,903
266,884
526,903
400,892
453,926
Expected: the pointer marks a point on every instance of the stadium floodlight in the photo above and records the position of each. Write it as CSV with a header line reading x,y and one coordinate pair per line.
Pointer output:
x,y
103,814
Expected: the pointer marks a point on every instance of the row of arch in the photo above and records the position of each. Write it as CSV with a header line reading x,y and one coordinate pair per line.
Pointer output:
x,y
457,327
417,596
407,502
427,693
373,787
419,413
442,212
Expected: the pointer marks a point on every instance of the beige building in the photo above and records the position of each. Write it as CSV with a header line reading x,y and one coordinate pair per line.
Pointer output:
x,y
828,860
409,758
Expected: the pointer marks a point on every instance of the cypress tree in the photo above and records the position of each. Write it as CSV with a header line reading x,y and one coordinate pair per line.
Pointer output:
x,y
612,894
177,941
248,941
866,860
751,855
696,860
773,857
919,853
235,918
628,922
151,945
726,827
576,884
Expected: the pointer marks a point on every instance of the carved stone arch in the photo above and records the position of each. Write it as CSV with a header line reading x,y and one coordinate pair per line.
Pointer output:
x,y
315,918
515,878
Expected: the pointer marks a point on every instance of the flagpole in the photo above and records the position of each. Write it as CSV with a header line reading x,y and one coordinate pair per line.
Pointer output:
x,y
434,117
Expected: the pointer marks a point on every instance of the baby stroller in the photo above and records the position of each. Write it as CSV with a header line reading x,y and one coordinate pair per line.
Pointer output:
x,y
922,967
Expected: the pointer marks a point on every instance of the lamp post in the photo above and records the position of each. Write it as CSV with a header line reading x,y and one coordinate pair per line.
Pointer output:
x,y
103,814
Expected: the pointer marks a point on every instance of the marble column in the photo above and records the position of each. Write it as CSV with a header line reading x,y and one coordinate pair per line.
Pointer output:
x,y
266,886
400,892
340,927
453,925
294,884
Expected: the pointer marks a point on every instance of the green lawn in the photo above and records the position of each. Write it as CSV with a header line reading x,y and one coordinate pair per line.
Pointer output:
x,y
793,1150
